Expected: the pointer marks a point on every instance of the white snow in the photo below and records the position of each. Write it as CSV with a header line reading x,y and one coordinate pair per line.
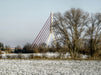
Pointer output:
x,y
49,55
49,67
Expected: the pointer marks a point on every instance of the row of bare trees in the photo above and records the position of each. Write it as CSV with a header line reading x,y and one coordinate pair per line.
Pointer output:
x,y
78,32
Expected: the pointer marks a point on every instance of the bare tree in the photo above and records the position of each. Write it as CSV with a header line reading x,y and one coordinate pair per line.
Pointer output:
x,y
94,33
8,49
70,27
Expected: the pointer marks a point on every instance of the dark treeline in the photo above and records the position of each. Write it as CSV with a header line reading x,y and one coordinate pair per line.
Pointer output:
x,y
76,32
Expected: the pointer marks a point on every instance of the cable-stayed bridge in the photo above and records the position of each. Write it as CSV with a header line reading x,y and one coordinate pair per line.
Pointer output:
x,y
45,33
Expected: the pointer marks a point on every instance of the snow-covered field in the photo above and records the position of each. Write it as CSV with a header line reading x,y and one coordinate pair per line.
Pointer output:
x,y
49,67
34,54
48,55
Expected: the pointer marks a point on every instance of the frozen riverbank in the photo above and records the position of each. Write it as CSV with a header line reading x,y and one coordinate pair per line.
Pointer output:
x,y
49,67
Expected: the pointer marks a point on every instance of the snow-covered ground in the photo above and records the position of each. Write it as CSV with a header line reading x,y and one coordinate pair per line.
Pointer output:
x,y
49,67
49,55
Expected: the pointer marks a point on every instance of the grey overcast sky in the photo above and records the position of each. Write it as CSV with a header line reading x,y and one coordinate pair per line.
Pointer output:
x,y
21,20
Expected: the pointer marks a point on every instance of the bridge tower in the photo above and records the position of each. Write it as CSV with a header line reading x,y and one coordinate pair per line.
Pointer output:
x,y
51,34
